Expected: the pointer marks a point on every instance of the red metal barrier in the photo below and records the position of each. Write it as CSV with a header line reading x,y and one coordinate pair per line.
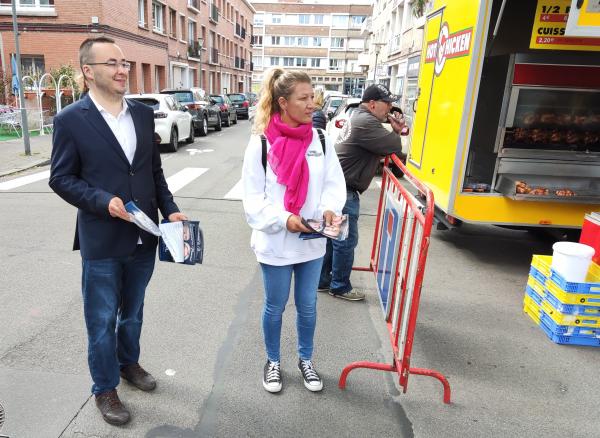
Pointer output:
x,y
400,283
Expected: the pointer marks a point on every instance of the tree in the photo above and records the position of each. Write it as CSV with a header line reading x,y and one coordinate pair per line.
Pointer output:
x,y
419,7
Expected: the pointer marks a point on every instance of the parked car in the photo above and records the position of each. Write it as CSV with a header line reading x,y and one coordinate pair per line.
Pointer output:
x,y
203,113
252,98
240,103
172,121
228,112
331,104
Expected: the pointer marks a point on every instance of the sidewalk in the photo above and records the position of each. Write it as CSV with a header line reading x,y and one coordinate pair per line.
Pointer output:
x,y
14,160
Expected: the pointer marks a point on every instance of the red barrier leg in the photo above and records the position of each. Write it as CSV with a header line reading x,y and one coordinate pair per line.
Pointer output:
x,y
437,375
363,364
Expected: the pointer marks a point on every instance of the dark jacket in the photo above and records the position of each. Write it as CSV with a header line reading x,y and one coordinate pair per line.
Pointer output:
x,y
318,119
89,168
361,144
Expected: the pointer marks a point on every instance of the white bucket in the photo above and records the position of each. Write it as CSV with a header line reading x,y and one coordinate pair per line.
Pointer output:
x,y
572,260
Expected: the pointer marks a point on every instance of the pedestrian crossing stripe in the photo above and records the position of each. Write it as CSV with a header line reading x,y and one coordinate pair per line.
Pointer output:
x,y
24,180
185,176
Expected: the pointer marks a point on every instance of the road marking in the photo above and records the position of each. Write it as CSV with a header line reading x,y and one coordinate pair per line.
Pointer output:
x,y
237,192
194,151
24,180
184,177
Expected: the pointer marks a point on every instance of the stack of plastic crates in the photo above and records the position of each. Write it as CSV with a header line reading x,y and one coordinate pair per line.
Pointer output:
x,y
569,313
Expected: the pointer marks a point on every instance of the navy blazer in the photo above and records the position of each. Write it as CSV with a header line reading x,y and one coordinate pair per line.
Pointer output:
x,y
89,168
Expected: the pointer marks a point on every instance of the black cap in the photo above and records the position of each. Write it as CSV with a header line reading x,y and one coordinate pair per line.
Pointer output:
x,y
378,92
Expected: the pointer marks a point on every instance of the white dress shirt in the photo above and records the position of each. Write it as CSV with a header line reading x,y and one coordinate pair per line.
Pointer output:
x,y
121,126
124,130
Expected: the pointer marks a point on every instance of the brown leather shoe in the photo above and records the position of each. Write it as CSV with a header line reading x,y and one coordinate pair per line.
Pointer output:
x,y
111,408
138,377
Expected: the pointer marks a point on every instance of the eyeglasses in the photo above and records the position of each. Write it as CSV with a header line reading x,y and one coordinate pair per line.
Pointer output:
x,y
113,64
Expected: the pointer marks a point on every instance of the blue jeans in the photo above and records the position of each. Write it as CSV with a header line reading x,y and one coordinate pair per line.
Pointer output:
x,y
339,258
113,304
277,280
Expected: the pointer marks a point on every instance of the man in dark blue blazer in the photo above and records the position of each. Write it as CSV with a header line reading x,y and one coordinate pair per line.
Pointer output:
x,y
104,156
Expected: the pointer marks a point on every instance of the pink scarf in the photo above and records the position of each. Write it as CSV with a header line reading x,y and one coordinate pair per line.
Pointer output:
x,y
287,158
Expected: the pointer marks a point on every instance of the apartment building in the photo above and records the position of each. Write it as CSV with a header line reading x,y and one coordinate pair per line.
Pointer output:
x,y
393,58
170,43
321,37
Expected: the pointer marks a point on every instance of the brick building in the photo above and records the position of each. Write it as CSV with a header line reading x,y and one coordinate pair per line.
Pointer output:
x,y
322,37
160,37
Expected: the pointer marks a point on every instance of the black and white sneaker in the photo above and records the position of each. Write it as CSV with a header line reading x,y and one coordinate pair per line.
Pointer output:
x,y
312,381
272,376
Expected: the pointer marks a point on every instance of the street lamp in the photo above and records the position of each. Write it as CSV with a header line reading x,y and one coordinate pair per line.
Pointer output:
x,y
377,50
200,43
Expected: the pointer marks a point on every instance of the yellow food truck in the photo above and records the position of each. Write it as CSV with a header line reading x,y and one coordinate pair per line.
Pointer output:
x,y
507,123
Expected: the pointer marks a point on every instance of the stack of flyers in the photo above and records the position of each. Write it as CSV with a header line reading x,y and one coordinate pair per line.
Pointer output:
x,y
179,242
338,230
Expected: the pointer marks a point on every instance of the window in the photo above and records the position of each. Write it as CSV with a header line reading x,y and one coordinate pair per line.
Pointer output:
x,y
275,41
182,27
259,20
288,41
257,61
337,43
301,62
288,62
31,4
32,65
339,21
274,60
315,62
317,41
276,19
318,19
192,33
335,64
304,19
291,19
357,20
173,23
257,40
142,12
157,16
302,41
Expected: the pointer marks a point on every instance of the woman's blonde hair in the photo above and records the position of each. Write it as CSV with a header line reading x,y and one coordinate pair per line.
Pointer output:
x,y
276,83
318,100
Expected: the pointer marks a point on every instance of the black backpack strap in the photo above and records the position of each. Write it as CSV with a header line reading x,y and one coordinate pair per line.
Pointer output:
x,y
322,138
263,141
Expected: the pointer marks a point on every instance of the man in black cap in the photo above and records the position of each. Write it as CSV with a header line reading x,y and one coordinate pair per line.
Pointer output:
x,y
360,146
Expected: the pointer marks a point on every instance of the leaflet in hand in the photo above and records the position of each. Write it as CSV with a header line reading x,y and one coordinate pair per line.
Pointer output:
x,y
338,230
179,242
141,219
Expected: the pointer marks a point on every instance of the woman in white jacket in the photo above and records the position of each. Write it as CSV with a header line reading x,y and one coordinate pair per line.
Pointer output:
x,y
301,179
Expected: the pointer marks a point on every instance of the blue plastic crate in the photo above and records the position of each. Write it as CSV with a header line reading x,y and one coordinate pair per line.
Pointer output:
x,y
534,295
571,309
567,330
582,288
537,275
569,340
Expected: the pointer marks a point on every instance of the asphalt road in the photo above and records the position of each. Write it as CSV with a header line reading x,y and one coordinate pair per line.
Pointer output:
x,y
202,337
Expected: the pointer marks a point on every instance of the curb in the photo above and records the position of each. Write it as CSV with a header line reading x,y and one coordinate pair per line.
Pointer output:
x,y
21,169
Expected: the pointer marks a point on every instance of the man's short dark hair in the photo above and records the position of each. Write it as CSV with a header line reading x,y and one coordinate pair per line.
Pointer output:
x,y
85,49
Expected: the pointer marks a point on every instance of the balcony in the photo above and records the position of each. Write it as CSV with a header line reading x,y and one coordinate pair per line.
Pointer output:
x,y
193,49
214,13
214,56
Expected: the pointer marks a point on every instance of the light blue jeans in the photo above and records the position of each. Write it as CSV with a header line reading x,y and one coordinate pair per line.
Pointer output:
x,y
277,281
